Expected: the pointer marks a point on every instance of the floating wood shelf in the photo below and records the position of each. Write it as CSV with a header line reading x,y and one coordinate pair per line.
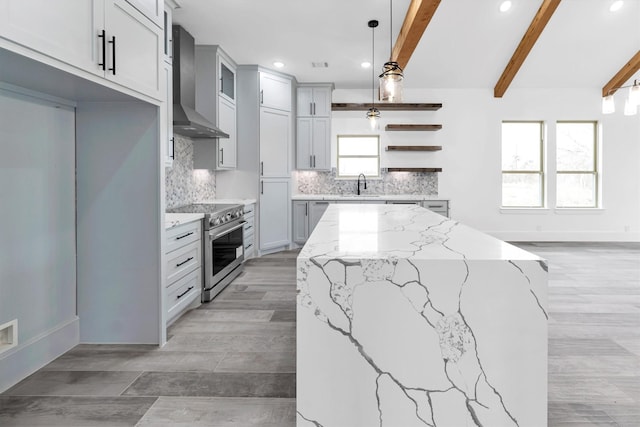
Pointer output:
x,y
390,106
413,148
392,127
414,169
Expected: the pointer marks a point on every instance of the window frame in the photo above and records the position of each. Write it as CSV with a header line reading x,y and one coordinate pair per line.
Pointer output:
x,y
540,172
338,156
594,172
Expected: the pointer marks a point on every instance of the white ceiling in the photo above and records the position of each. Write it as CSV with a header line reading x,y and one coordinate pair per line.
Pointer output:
x,y
467,44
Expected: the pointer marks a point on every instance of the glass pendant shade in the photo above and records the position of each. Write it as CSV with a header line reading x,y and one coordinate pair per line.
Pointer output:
x,y
373,114
608,105
391,83
634,94
630,109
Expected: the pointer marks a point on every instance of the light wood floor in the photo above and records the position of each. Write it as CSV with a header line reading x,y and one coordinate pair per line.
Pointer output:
x,y
232,362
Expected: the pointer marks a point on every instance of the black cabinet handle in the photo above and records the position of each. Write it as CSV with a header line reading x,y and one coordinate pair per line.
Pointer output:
x,y
262,97
261,187
185,292
185,261
185,235
222,156
103,36
113,55
173,148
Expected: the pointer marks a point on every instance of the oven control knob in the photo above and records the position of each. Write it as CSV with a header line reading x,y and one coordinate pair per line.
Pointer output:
x,y
216,221
228,217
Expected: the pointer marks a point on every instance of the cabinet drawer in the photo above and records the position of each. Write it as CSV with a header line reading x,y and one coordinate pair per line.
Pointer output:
x,y
435,205
249,210
182,235
183,292
249,226
183,260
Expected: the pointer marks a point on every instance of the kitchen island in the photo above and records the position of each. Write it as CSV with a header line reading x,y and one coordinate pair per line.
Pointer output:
x,y
407,318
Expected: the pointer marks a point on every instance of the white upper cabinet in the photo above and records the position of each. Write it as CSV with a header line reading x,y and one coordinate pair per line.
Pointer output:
x,y
313,130
108,38
227,146
216,101
134,49
152,9
314,101
275,92
67,31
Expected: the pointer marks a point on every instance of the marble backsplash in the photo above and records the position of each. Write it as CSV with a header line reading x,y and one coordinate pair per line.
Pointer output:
x,y
184,184
325,182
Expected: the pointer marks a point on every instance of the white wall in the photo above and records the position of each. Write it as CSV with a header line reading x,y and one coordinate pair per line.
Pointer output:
x,y
37,231
470,158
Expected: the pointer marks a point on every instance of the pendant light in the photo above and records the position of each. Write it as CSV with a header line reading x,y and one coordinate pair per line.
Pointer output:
x,y
373,114
392,76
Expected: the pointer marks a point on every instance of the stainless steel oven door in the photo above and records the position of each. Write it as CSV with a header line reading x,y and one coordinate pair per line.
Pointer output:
x,y
223,256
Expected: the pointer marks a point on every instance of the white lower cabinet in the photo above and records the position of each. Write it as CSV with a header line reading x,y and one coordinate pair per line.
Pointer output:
x,y
306,215
274,213
183,267
248,235
438,206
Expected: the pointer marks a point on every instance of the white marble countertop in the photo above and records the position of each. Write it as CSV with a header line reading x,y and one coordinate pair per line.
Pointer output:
x,y
354,231
407,318
238,201
366,197
174,219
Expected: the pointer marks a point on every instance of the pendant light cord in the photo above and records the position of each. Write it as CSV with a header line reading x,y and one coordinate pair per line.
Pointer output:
x,y
390,29
373,60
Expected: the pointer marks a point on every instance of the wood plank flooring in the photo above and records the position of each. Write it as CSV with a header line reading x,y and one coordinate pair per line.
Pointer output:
x,y
232,362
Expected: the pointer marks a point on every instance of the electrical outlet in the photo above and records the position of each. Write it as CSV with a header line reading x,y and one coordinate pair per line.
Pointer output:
x,y
627,228
8,335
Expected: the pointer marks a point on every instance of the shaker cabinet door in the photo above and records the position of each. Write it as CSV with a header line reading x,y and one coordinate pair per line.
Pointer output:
x,y
274,213
66,30
133,57
275,130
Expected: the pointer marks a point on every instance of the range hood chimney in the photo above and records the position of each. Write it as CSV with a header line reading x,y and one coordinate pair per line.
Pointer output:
x,y
186,120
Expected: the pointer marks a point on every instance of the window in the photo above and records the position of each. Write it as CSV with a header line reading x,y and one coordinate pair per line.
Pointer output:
x,y
576,165
358,154
522,165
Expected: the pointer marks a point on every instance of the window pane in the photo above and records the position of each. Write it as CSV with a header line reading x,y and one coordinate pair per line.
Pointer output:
x,y
356,165
521,190
521,145
576,190
357,146
575,146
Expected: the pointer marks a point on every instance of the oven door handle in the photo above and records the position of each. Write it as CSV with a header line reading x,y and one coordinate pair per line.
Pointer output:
x,y
222,233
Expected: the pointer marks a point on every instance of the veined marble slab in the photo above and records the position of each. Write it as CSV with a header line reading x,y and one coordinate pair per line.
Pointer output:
x,y
407,318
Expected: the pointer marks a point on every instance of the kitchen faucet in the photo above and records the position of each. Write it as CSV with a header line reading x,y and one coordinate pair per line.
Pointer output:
x,y
365,182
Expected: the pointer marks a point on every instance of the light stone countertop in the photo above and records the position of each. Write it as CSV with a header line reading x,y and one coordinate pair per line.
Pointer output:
x,y
174,219
238,201
407,318
366,197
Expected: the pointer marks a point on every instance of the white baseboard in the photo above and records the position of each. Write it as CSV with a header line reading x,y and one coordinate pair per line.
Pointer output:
x,y
565,236
29,356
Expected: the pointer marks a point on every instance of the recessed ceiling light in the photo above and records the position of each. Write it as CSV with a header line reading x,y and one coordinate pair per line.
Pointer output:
x,y
505,5
278,64
320,64
616,5
365,64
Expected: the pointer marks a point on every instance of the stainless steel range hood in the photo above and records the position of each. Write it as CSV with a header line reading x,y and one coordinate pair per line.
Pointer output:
x,y
186,120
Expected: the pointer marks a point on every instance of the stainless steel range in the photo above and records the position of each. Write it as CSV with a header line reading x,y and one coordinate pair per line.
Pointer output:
x,y
223,244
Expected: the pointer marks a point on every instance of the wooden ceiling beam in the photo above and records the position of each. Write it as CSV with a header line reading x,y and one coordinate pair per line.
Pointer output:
x,y
626,72
418,16
546,10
